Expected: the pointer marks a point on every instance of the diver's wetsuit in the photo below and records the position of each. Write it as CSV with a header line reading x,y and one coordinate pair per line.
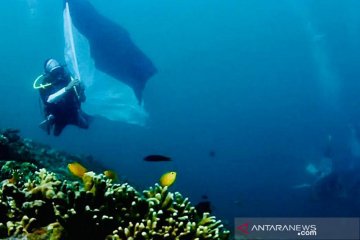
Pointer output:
x,y
67,109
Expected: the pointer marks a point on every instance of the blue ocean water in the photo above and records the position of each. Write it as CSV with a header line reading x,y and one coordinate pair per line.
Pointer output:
x,y
248,94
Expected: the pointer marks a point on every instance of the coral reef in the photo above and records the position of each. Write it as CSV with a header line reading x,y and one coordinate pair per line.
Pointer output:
x,y
13,147
36,203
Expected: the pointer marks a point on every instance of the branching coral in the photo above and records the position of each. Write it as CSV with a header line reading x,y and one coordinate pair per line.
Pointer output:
x,y
39,204
99,209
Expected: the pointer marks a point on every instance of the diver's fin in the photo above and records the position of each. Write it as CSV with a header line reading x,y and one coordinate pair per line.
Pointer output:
x,y
46,126
47,123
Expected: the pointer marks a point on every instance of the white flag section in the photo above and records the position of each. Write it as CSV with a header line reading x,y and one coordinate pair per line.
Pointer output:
x,y
105,96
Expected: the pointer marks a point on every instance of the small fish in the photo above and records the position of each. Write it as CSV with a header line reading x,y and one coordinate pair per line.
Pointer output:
x,y
157,158
110,174
203,207
212,153
12,180
39,231
77,169
168,179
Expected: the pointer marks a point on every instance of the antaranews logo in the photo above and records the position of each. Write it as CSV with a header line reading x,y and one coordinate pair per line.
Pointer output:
x,y
301,230
244,228
298,228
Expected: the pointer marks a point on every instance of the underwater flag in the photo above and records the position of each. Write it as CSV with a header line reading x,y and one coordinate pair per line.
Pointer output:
x,y
102,55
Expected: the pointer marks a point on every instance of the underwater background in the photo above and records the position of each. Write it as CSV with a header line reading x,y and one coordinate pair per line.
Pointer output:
x,y
247,95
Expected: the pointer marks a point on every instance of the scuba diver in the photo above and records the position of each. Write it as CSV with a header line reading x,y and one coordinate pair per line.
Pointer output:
x,y
62,97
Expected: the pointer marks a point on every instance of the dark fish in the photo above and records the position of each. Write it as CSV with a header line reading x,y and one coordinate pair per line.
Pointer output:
x,y
212,153
202,207
204,197
157,158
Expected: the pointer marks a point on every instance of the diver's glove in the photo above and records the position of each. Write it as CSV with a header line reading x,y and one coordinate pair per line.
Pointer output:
x,y
72,84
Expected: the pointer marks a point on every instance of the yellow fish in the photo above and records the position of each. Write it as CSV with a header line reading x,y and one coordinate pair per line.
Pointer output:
x,y
12,180
77,169
110,174
167,179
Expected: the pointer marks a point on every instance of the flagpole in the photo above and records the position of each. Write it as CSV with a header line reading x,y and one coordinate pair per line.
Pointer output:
x,y
71,45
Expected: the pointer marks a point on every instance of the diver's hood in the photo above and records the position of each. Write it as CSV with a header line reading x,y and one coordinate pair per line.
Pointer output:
x,y
51,65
